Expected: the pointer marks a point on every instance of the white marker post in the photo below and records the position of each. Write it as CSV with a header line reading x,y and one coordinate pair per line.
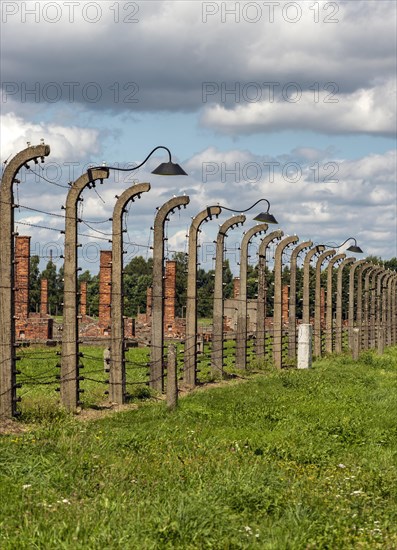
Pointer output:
x,y
305,346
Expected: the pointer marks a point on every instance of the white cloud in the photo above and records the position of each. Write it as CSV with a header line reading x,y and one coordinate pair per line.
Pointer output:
x,y
67,142
371,111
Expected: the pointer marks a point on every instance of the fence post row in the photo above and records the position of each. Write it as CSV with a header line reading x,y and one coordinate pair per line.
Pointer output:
x,y
371,315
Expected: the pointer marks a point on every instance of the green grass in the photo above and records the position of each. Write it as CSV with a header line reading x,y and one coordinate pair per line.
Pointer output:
x,y
285,460
39,371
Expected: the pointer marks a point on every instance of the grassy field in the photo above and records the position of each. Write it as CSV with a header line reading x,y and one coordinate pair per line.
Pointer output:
x,y
282,460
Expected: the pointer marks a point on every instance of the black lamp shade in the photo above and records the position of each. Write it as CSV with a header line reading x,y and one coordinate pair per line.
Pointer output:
x,y
265,217
355,248
169,169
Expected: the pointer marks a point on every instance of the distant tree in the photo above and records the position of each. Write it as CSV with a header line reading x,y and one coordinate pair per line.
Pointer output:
x,y
135,290
391,264
137,278
374,260
85,277
181,282
34,285
205,293
50,273
227,280
252,282
139,266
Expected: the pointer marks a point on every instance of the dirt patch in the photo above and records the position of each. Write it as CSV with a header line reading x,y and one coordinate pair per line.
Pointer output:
x,y
103,410
183,391
8,426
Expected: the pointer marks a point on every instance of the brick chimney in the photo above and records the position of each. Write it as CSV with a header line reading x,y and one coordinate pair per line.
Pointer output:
x,y
44,297
83,298
105,277
21,277
169,293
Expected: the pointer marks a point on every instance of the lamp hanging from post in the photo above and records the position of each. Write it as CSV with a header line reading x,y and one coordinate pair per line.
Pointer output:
x,y
352,248
164,169
263,217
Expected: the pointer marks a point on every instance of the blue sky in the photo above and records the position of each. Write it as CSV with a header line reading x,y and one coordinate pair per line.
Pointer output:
x,y
308,88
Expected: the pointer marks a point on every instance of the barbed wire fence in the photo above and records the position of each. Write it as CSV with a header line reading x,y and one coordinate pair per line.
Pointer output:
x,y
77,368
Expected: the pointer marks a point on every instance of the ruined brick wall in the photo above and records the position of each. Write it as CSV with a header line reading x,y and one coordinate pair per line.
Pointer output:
x,y
169,295
35,327
44,296
129,327
21,277
83,298
105,277
29,326
89,327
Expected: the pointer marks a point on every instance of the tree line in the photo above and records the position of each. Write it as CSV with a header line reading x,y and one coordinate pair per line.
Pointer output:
x,y
138,277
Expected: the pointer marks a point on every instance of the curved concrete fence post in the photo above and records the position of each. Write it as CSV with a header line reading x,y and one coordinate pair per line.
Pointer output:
x,y
306,282
339,297
190,355
385,307
292,332
380,307
374,293
366,307
391,311
277,304
317,301
360,300
218,309
329,329
262,292
70,334
352,297
241,336
157,333
117,376
8,397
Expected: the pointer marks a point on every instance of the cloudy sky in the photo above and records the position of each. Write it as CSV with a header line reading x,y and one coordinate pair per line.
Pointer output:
x,y
291,101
